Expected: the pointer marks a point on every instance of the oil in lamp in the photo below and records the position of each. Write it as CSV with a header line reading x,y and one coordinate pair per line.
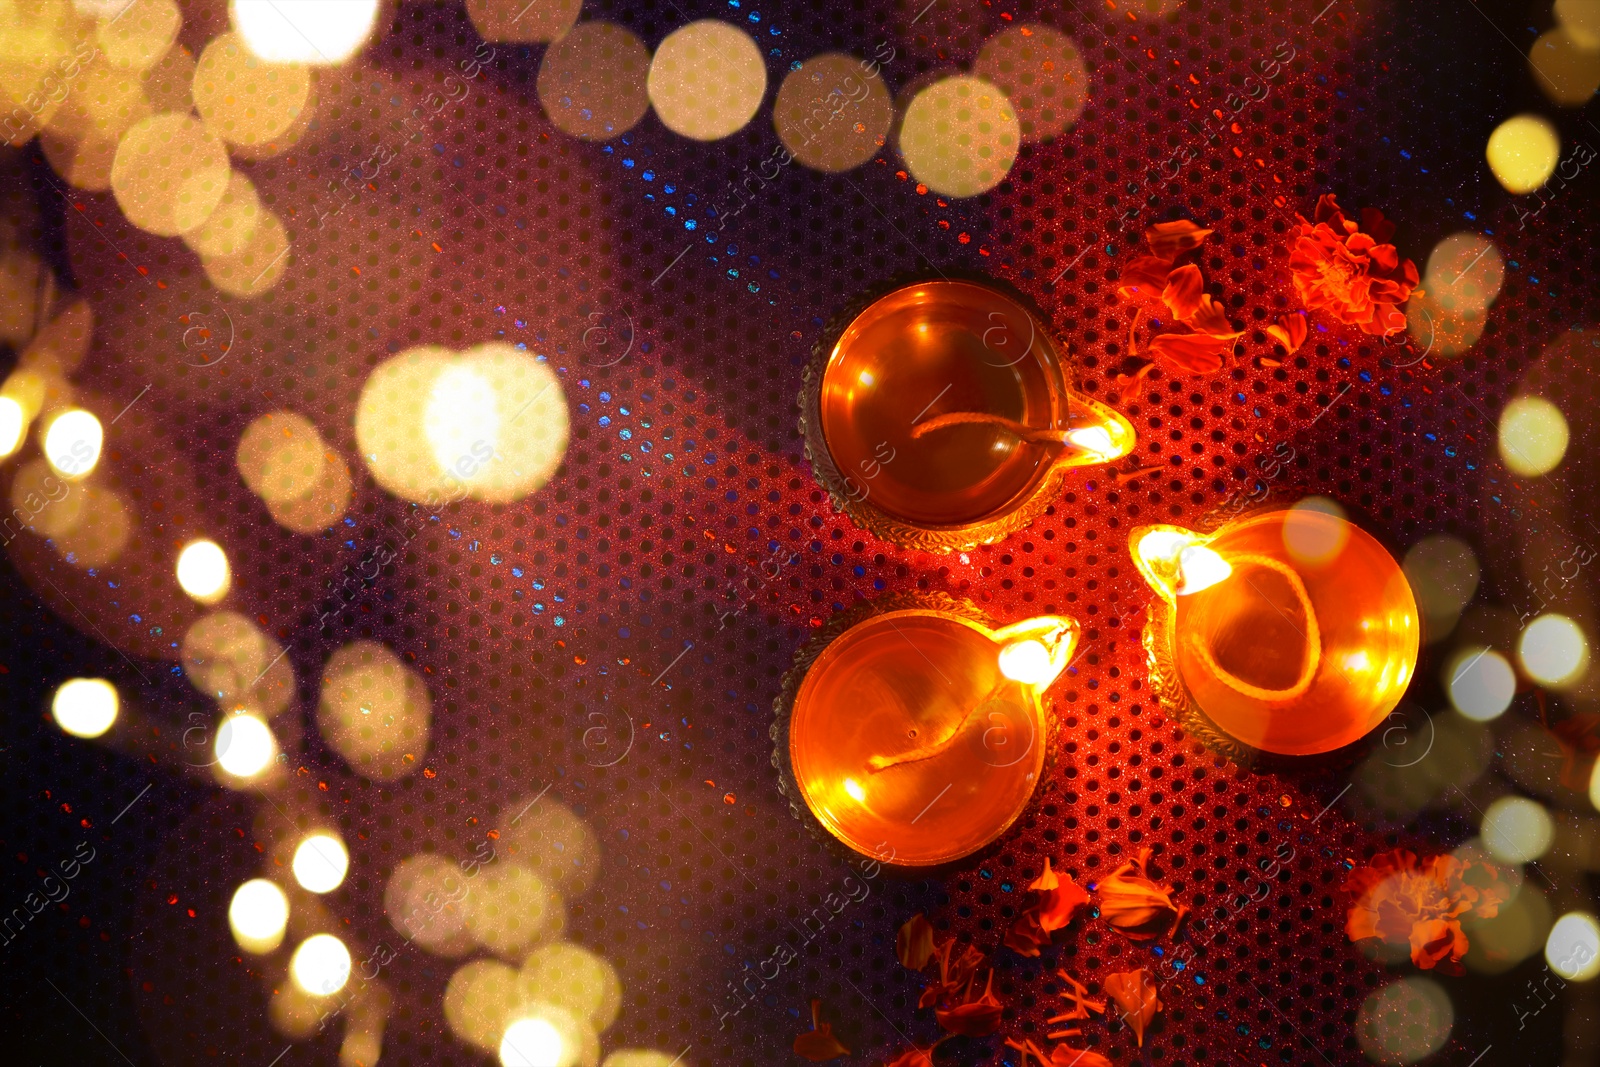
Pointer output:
x,y
916,735
1292,631
943,417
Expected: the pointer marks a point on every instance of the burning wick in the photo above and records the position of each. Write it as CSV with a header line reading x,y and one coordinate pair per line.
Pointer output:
x,y
1092,439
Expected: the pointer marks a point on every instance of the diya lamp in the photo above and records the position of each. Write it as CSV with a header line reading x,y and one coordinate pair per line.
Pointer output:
x,y
1290,631
943,417
916,735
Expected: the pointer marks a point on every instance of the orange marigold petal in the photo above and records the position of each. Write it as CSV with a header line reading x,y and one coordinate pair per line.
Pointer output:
x,y
1185,287
818,1043
1190,353
1169,240
1062,1056
913,945
1210,317
1135,993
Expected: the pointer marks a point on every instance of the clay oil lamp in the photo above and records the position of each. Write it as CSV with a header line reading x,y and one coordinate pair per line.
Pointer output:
x,y
944,417
1290,631
916,736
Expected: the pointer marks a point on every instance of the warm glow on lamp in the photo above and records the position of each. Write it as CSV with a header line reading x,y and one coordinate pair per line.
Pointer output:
x,y
853,787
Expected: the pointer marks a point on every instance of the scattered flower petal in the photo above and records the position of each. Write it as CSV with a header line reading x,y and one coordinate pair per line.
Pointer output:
x,y
1135,904
1135,994
1290,331
973,1017
1190,353
913,945
1185,287
818,1043
1061,897
1169,240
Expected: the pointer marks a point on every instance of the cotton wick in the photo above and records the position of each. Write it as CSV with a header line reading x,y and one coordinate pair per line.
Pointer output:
x,y
1030,434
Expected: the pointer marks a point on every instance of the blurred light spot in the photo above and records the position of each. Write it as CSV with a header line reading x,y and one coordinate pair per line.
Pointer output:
x,y
1405,1021
320,862
571,977
1438,331
511,909
959,136
298,32
1200,568
1480,683
592,81
1516,829
479,1001
831,114
533,1043
1464,275
169,173
1581,20
1573,947
51,509
1533,435
1041,73
13,424
1563,69
523,21
139,34
258,265
280,456
168,85
321,965
1553,650
85,707
1523,152
854,790
551,838
203,571
322,506
244,745
244,99
1443,572
72,442
1027,662
423,901
1315,531
231,226
375,712
230,659
258,915
707,80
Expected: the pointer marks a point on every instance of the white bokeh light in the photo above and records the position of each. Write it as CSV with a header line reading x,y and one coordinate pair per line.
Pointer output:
x,y
320,863
13,421
533,1043
1481,683
1027,662
85,707
321,965
244,745
1517,830
72,443
304,31
258,916
1573,947
203,571
1553,650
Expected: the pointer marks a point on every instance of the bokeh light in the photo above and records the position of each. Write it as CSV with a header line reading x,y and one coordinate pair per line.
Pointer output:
x,y
258,265
423,900
72,442
1523,152
534,1043
1533,436
168,85
232,660
1042,73
706,80
1464,275
1480,683
1405,1021
281,456
523,21
169,174
511,909
258,916
245,746
36,493
592,81
479,1001
244,99
1516,829
13,425
831,113
1581,20
321,965
571,977
490,424
1309,537
1439,331
298,32
102,534
1564,69
1443,572
1573,947
321,507
550,838
203,571
85,707
375,712
229,229
140,34
642,1057
1553,650
320,863
1515,932
960,136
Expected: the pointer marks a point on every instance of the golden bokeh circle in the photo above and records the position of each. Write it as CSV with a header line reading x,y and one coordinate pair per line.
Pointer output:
x,y
707,80
1042,73
140,34
229,229
832,113
960,135
592,81
322,506
169,83
257,267
1565,71
169,174
478,1002
375,711
280,456
1523,152
523,21
244,99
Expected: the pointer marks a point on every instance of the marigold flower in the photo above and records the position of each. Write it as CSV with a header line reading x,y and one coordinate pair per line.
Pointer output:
x,y
1350,269
1135,993
1404,901
818,1043
1026,937
1135,904
913,945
